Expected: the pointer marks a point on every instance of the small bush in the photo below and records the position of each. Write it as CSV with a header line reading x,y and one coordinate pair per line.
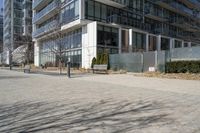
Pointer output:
x,y
98,61
101,59
183,67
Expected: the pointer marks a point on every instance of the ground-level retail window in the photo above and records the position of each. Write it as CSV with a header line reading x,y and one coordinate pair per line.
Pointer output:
x,y
50,59
165,43
109,50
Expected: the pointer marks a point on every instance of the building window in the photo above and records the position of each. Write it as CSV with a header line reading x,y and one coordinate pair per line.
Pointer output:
x,y
100,12
70,43
152,43
165,44
177,44
107,38
139,42
70,12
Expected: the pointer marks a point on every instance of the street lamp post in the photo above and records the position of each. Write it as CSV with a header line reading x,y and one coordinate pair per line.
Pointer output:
x,y
68,68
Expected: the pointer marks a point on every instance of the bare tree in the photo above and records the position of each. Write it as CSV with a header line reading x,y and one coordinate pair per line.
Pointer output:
x,y
58,50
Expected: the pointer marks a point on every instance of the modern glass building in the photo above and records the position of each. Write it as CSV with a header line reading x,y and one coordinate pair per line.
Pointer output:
x,y
1,33
17,25
85,28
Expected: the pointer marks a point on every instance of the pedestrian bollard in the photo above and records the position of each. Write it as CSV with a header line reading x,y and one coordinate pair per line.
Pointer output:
x,y
68,69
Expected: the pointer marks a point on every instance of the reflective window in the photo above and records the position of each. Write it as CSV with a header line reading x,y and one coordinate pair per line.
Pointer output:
x,y
70,12
165,44
107,38
139,42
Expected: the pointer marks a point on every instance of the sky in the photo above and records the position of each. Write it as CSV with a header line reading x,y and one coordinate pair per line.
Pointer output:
x,y
1,5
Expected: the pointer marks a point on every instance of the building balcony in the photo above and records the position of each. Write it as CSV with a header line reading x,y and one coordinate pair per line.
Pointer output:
x,y
187,26
122,20
52,26
115,3
46,13
39,4
193,4
150,13
165,32
178,8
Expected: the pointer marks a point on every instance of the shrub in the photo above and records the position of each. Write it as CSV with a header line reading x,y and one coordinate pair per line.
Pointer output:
x,y
101,59
105,58
98,61
183,67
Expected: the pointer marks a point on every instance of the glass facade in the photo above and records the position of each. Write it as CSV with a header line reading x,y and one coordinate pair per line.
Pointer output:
x,y
139,42
68,45
165,43
177,44
104,13
1,34
107,39
70,12
151,22
17,23
176,19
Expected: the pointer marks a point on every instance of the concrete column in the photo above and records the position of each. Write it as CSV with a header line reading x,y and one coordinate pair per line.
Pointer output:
x,y
182,44
171,43
189,44
120,41
147,42
159,42
89,44
34,25
82,9
130,40
36,54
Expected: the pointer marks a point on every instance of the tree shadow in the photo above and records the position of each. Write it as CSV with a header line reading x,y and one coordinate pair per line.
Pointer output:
x,y
12,77
106,115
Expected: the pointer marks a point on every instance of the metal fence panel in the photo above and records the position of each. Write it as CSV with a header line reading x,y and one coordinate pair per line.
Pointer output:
x,y
140,62
130,62
148,60
192,53
160,61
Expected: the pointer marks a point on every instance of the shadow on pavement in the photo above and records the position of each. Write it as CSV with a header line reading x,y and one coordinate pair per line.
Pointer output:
x,y
106,115
12,77
49,73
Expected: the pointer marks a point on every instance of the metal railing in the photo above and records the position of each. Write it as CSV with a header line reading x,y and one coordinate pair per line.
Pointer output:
x,y
36,3
45,11
47,28
128,21
123,2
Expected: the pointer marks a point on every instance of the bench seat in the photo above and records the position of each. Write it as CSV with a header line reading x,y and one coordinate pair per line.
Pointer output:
x,y
100,68
27,69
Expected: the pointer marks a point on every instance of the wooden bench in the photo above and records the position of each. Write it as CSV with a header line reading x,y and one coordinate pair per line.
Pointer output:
x,y
27,69
100,68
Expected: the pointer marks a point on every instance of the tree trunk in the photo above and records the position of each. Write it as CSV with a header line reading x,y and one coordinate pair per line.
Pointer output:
x,y
60,66
10,62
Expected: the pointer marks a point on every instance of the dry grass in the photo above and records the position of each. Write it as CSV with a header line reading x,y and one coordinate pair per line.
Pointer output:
x,y
186,76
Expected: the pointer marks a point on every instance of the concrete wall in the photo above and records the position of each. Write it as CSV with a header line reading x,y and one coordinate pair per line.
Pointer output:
x,y
36,54
89,44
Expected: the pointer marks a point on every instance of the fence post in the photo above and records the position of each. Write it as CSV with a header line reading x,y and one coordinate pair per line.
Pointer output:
x,y
156,60
142,60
